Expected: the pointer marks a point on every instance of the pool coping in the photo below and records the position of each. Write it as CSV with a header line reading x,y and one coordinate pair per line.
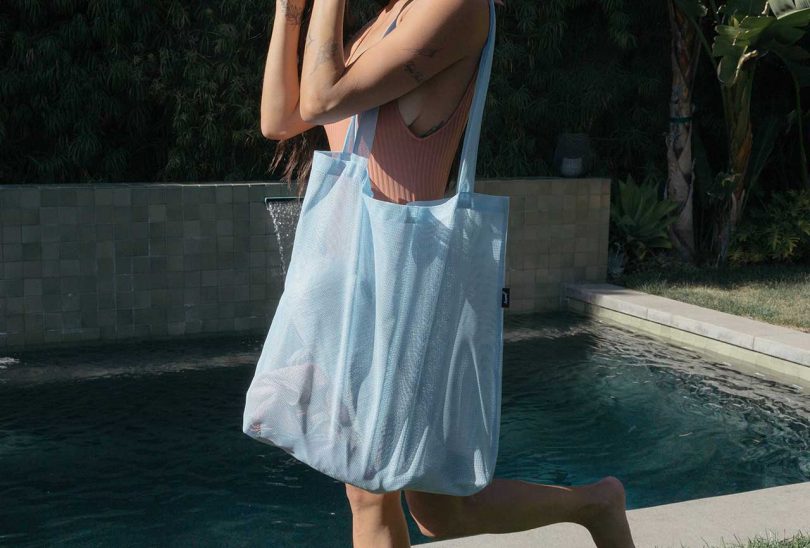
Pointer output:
x,y
773,513
780,350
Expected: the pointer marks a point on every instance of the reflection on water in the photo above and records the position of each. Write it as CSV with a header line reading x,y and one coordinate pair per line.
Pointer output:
x,y
142,444
583,400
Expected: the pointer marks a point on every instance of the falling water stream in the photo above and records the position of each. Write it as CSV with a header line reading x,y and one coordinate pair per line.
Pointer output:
x,y
284,212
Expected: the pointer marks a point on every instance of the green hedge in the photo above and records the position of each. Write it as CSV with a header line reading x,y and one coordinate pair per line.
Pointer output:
x,y
165,90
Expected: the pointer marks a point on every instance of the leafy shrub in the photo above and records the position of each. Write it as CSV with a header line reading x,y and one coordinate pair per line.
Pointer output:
x,y
777,231
167,90
129,90
639,219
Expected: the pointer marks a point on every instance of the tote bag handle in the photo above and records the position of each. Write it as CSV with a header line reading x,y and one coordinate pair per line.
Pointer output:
x,y
360,141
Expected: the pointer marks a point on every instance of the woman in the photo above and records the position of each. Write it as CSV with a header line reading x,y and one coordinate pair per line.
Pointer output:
x,y
421,75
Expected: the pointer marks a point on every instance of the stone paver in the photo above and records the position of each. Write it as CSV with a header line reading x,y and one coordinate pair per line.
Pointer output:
x,y
770,340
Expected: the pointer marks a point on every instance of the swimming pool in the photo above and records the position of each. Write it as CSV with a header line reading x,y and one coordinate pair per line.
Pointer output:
x,y
141,444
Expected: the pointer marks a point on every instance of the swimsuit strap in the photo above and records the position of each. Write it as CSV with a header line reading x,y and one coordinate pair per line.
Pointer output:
x,y
359,141
367,130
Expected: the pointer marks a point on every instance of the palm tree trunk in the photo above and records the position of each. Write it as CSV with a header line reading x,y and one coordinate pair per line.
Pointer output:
x,y
738,99
684,53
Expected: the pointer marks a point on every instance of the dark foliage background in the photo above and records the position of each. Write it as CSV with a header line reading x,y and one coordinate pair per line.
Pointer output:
x,y
168,90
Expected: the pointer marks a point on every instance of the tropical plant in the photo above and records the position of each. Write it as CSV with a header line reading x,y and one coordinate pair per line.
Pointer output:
x,y
777,231
639,219
745,31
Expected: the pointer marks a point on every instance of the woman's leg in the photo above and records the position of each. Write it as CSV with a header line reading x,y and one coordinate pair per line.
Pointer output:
x,y
377,520
506,506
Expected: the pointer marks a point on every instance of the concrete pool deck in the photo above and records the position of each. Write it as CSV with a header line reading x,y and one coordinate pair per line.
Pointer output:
x,y
774,513
781,351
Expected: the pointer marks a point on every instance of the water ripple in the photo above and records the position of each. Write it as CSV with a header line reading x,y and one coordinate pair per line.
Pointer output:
x,y
142,445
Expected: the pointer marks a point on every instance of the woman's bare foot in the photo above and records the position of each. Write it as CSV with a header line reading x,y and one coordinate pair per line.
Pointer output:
x,y
606,518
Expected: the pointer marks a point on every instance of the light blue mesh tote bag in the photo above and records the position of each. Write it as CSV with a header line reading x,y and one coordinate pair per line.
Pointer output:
x,y
382,364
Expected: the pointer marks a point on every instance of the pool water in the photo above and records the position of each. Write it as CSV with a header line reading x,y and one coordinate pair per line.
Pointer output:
x,y
137,445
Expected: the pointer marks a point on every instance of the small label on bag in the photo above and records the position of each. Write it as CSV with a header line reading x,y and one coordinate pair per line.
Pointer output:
x,y
505,297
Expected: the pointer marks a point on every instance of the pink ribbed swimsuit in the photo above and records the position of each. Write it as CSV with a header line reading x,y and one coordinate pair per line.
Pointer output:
x,y
404,167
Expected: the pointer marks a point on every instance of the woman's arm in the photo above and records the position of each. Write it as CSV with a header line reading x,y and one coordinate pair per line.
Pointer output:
x,y
280,117
435,35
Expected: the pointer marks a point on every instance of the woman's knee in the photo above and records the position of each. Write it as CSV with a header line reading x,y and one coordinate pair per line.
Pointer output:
x,y
438,516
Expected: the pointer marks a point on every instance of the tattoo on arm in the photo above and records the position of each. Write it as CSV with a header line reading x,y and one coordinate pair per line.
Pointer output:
x,y
411,69
433,129
294,14
326,53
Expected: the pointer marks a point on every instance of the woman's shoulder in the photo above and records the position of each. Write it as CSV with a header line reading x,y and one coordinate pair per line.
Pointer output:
x,y
470,17
465,8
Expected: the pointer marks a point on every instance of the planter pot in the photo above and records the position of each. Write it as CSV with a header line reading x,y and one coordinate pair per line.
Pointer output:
x,y
572,157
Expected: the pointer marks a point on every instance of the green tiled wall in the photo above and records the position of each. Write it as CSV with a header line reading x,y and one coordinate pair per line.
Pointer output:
x,y
98,262
110,261
558,233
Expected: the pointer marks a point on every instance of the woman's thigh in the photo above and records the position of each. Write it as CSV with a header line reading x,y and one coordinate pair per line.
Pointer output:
x,y
441,516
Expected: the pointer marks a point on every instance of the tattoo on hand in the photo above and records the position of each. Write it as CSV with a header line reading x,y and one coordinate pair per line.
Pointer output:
x,y
294,14
410,68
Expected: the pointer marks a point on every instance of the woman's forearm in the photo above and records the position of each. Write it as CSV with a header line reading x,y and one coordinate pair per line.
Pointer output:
x,y
280,88
323,56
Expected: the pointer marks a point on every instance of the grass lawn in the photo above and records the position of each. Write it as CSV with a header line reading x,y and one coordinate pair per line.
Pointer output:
x,y
770,293
798,541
